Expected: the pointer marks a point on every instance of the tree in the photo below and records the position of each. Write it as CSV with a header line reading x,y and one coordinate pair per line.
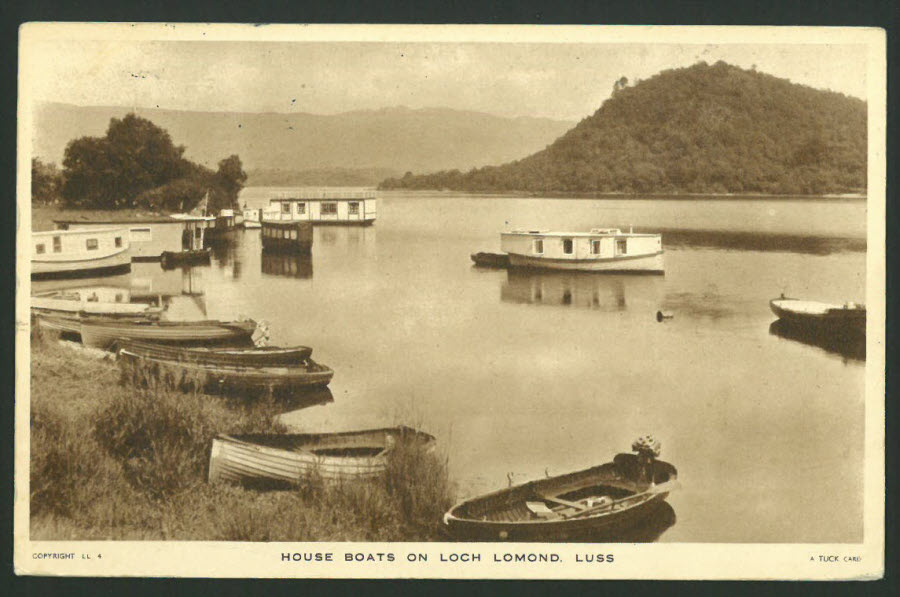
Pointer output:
x,y
46,181
111,171
229,179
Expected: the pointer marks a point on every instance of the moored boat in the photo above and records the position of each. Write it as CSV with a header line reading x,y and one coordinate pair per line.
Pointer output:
x,y
291,458
496,260
79,253
293,237
849,316
104,333
170,259
256,356
602,502
600,250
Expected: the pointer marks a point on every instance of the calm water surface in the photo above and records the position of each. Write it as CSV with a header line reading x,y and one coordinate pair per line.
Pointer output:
x,y
522,375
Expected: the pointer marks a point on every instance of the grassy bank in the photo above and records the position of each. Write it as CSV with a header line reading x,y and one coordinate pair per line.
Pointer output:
x,y
112,462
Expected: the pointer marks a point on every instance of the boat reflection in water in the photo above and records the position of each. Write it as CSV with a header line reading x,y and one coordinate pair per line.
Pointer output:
x,y
844,342
577,289
292,265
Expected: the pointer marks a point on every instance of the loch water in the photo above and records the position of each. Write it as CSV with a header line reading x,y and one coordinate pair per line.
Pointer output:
x,y
520,375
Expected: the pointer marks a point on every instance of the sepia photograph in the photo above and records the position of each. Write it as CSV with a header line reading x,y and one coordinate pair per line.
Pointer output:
x,y
450,301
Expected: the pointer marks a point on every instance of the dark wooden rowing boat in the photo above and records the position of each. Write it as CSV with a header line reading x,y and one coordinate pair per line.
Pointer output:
x,y
495,260
849,316
221,379
603,503
170,259
284,460
256,356
70,323
105,333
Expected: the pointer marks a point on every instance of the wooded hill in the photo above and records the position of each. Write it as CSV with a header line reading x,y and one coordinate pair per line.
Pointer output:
x,y
701,129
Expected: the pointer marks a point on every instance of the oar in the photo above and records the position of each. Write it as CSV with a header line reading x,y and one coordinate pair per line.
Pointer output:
x,y
661,488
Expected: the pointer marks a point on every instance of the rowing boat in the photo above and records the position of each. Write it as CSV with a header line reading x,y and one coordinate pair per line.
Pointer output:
x,y
495,260
223,379
849,316
290,459
104,333
603,503
257,356
71,323
110,302
171,259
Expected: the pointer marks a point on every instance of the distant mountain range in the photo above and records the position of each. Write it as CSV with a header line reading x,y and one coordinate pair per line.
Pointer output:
x,y
702,129
364,145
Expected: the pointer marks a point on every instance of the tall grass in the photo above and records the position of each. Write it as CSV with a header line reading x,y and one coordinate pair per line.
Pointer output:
x,y
122,456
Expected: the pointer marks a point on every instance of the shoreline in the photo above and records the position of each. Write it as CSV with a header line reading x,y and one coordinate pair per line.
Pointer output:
x,y
635,196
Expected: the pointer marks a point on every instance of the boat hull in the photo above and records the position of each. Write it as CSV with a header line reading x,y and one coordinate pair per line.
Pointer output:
x,y
495,260
107,333
634,264
111,264
229,357
171,259
819,315
56,306
291,459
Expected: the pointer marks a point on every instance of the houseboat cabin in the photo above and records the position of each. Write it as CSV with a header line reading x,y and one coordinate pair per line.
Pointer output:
x,y
79,253
600,250
292,237
151,237
252,218
323,206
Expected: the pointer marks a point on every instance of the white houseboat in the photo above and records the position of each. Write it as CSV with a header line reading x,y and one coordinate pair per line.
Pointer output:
x,y
323,206
252,218
150,237
79,253
600,250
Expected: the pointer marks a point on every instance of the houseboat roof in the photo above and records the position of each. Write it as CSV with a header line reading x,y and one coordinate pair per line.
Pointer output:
x,y
593,232
192,218
119,221
43,233
331,194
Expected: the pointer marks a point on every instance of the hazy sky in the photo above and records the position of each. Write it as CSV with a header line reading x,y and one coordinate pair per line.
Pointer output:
x,y
567,81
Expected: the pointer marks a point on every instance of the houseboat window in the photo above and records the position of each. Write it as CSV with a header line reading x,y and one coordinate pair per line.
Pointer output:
x,y
621,246
595,247
329,209
141,234
285,207
118,297
39,249
293,235
57,244
353,208
301,208
567,246
91,244
538,246
198,232
118,241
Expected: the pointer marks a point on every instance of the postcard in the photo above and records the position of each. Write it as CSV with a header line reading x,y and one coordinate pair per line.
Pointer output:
x,y
558,302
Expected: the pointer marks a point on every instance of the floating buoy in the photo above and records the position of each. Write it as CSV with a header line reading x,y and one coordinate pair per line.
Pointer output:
x,y
660,315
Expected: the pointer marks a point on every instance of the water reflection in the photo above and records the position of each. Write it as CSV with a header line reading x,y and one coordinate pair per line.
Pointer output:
x,y
572,289
290,265
305,399
758,241
845,343
227,256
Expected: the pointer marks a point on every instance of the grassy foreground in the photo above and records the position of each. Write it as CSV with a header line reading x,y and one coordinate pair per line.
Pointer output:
x,y
112,462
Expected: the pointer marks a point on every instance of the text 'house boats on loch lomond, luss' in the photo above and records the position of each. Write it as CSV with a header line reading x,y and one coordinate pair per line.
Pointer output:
x,y
600,250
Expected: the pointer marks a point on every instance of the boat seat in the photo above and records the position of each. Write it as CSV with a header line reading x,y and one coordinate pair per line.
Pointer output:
x,y
541,510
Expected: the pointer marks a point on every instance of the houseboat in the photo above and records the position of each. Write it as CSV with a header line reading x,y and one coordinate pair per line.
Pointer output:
x,y
223,228
79,253
150,237
287,236
252,218
600,250
323,206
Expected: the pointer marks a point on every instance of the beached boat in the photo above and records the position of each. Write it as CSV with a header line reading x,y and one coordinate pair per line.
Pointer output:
x,y
600,250
99,300
849,316
170,259
79,253
256,356
602,502
496,260
104,333
291,458
70,323
243,380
